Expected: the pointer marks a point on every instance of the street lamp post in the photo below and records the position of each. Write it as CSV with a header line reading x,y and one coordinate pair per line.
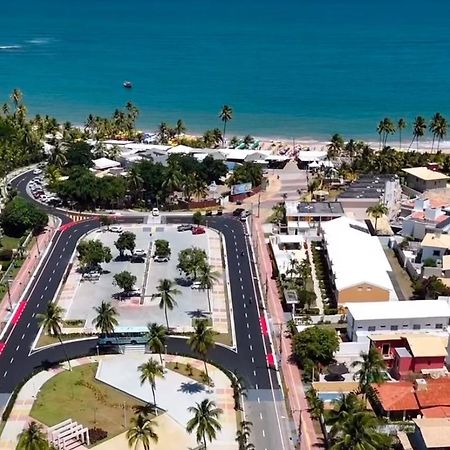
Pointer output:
x,y
300,426
8,281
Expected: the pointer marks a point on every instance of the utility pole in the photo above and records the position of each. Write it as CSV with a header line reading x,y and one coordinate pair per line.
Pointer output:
x,y
9,294
259,204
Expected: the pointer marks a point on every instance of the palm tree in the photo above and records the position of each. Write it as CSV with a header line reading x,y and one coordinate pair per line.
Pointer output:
x,y
441,130
243,434
371,370
150,371
207,278
419,128
16,98
141,432
135,182
315,404
377,211
163,133
335,146
33,438
52,322
226,114
173,179
106,319
166,293
360,432
401,125
380,131
180,128
202,340
345,406
239,390
433,127
156,338
199,189
205,421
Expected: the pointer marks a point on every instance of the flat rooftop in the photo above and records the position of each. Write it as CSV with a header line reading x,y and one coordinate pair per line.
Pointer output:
x,y
408,309
314,209
367,187
426,174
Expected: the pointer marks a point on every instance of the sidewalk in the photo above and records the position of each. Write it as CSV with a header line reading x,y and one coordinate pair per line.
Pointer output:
x,y
290,373
25,274
175,434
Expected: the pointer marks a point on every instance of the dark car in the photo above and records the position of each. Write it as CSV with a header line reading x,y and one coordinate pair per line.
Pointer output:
x,y
219,212
238,211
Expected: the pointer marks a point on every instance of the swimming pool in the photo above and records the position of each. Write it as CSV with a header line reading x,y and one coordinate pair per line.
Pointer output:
x,y
329,396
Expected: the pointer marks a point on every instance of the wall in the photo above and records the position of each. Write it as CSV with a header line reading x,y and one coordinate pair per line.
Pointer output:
x,y
422,185
431,362
427,252
363,293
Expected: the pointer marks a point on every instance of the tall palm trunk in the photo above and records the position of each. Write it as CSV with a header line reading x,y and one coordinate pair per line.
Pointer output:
x,y
206,367
400,133
209,301
64,350
154,400
204,441
167,319
224,129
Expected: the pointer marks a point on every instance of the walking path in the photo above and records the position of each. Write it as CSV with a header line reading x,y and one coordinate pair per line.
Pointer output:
x,y
171,432
317,291
26,272
291,374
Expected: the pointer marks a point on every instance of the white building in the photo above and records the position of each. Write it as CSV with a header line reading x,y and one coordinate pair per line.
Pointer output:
x,y
435,246
411,315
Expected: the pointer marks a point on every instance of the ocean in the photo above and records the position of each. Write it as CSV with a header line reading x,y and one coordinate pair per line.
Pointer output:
x,y
291,68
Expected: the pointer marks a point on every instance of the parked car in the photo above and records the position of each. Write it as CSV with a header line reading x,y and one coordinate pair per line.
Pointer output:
x,y
115,229
244,215
237,212
37,171
198,230
161,258
133,293
91,276
184,227
208,213
155,212
219,212
139,252
196,285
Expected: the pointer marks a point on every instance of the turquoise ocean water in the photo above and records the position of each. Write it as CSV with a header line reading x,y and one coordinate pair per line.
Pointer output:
x,y
303,68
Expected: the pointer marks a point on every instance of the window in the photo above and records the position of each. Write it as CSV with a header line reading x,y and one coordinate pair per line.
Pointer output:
x,y
416,326
382,326
368,289
394,327
436,252
428,324
359,328
439,326
360,289
385,349
405,325
372,328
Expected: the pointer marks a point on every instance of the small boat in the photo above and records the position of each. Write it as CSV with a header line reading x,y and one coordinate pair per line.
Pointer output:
x,y
127,84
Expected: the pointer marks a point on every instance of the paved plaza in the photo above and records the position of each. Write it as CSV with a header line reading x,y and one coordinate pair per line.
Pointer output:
x,y
78,297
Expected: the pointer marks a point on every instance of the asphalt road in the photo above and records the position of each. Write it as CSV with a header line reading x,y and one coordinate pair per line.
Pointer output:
x,y
264,396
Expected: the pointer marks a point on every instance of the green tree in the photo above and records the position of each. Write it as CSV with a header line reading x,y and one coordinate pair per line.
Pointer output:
x,y
149,372
316,406
166,293
246,173
33,438
106,318
419,128
135,182
377,211
141,432
190,260
243,435
92,253
401,125
198,218
207,278
360,432
79,153
125,280
52,322
343,407
429,288
226,114
162,248
205,421
316,344
156,338
372,369
20,216
180,128
126,241
202,340
335,146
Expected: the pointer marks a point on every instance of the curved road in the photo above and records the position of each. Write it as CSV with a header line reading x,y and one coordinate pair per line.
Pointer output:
x,y
250,361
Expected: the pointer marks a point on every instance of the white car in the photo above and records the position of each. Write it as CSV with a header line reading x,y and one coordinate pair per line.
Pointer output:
x,y
161,258
155,212
196,285
37,171
139,252
115,229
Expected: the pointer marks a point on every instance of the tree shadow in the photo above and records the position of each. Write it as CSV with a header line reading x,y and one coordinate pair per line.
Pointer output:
x,y
198,314
122,258
192,387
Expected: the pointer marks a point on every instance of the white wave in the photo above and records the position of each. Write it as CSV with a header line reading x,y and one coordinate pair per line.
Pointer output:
x,y
10,47
39,41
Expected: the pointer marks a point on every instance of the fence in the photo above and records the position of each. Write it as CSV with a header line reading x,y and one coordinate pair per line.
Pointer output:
x,y
405,262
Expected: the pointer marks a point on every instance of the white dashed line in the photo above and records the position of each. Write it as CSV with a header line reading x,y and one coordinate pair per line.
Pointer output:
x,y
249,336
256,387
253,360
4,375
11,360
50,279
57,263
254,373
17,348
239,271
53,271
251,347
263,433
60,256
34,314
245,305
245,314
46,287
248,326
28,325
42,296
23,335
261,416
259,400
37,306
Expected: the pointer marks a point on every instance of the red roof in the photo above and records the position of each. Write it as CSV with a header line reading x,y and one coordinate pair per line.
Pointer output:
x,y
433,400
397,396
418,215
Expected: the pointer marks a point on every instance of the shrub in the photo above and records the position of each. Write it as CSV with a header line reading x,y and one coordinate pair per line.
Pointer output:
x,y
6,254
97,434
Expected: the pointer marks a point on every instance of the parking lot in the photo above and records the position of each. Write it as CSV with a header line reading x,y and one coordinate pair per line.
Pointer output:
x,y
81,296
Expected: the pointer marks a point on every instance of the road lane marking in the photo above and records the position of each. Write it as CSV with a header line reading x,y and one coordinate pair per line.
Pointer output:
x,y
60,256
46,287
50,279
28,326
259,400
4,375
245,305
32,315
251,347
57,263
249,336
253,360
260,416
254,373
53,271
17,348
248,326
37,306
246,315
263,433
23,335
11,360
239,271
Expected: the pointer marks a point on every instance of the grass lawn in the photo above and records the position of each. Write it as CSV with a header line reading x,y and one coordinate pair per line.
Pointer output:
x,y
46,339
79,396
195,374
9,242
